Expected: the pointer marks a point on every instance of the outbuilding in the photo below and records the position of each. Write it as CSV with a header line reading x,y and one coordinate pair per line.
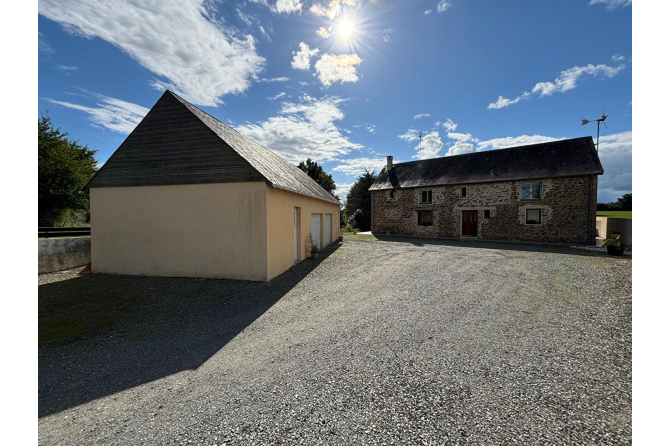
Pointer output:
x,y
186,195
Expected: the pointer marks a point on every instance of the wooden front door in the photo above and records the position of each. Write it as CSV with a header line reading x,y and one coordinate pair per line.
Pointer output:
x,y
469,219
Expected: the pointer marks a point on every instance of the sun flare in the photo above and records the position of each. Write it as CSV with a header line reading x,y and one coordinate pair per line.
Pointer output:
x,y
345,28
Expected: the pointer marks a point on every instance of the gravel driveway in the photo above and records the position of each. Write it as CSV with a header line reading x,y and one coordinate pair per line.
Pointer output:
x,y
396,341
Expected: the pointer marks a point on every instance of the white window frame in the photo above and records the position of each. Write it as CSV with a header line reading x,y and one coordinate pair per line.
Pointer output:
x,y
532,187
539,213
429,197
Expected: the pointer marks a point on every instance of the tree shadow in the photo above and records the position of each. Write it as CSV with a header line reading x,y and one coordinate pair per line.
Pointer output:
x,y
101,334
490,244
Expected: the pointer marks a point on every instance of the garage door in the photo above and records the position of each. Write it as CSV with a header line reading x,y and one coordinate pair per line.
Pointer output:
x,y
326,229
316,229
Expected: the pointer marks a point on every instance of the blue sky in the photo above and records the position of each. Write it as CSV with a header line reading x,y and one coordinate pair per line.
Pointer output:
x,y
348,82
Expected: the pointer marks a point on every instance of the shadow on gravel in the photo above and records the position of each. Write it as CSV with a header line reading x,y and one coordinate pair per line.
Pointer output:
x,y
101,334
482,244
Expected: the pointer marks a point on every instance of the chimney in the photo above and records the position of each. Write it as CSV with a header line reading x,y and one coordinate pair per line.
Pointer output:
x,y
389,163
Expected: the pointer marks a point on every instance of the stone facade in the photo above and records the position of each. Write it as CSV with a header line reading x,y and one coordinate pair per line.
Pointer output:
x,y
501,212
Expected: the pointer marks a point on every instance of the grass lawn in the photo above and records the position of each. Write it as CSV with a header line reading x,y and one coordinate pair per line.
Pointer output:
x,y
615,214
352,236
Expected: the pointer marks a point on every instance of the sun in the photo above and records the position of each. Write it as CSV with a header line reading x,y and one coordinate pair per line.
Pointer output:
x,y
345,28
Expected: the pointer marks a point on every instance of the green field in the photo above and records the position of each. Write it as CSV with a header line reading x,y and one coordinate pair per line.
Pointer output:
x,y
615,214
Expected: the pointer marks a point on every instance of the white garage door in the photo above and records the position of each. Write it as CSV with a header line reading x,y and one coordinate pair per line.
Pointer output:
x,y
316,229
326,229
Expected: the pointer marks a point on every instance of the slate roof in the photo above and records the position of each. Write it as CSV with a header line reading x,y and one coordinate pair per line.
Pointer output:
x,y
177,143
568,157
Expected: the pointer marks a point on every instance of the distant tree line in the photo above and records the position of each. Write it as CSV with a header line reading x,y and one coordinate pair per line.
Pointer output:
x,y
625,203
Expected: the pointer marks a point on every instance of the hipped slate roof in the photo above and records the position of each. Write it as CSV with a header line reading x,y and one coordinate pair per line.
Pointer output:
x,y
568,157
177,143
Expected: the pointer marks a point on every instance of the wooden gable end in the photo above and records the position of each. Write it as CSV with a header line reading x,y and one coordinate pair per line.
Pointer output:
x,y
172,146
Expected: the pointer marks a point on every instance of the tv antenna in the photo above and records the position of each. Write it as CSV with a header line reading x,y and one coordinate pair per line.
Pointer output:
x,y
600,120
420,138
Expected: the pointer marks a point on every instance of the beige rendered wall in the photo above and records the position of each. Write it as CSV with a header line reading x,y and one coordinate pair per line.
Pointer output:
x,y
280,205
197,230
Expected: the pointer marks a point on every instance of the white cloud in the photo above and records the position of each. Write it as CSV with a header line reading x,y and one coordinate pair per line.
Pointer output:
x,y
386,37
281,6
301,58
341,190
111,113
429,147
333,9
463,137
513,141
369,127
611,4
460,148
265,33
246,18
280,95
43,45
422,115
323,32
443,5
302,130
566,81
274,79
618,58
449,125
410,135
357,166
505,102
342,68
616,155
427,11
616,144
175,39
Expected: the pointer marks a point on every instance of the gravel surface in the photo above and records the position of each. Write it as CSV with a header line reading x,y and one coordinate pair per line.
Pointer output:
x,y
405,341
58,276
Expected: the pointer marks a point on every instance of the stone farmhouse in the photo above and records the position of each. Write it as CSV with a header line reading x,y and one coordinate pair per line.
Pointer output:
x,y
536,193
186,195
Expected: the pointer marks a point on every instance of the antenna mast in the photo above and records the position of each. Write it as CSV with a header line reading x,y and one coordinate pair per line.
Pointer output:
x,y
420,139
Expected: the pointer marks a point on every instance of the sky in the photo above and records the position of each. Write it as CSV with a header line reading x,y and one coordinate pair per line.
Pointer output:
x,y
348,82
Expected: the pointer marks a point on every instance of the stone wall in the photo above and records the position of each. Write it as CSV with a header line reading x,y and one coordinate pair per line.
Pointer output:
x,y
564,207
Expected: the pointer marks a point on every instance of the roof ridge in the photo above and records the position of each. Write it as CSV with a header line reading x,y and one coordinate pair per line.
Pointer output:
x,y
497,150
252,162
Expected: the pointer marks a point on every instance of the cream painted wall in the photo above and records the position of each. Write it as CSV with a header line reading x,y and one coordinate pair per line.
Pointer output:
x,y
280,206
195,230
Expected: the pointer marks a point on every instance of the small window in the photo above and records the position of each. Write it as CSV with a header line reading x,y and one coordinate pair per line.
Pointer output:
x,y
531,191
464,192
425,218
427,196
394,194
487,214
533,216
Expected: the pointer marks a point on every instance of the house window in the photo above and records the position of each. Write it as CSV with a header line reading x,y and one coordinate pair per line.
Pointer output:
x,y
464,192
427,196
393,194
487,214
531,191
533,216
425,218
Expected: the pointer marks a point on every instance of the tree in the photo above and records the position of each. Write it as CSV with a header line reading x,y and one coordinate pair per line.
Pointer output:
x,y
625,202
360,198
317,173
64,168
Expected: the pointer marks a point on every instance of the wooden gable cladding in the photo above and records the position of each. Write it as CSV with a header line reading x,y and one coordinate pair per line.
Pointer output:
x,y
172,146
